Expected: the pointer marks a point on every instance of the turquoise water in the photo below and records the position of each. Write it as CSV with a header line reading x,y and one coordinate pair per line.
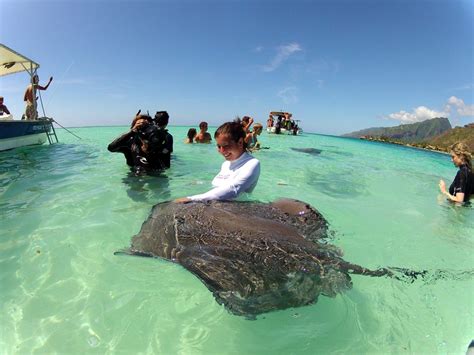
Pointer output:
x,y
66,208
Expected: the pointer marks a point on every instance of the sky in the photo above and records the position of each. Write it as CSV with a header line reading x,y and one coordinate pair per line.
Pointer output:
x,y
338,66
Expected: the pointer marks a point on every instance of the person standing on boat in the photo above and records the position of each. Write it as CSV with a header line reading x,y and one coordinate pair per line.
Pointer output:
x,y
270,121
3,108
278,125
30,97
462,188
240,171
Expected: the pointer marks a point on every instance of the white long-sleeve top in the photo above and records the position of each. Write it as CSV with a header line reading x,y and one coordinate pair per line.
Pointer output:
x,y
235,177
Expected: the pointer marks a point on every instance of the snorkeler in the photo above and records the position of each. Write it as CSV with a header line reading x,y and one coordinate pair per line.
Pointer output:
x,y
462,188
238,174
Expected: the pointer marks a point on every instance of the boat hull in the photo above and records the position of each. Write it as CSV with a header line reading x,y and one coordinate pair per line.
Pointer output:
x,y
283,131
14,134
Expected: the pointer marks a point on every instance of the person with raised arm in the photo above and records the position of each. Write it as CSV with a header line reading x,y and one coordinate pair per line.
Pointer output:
x,y
30,98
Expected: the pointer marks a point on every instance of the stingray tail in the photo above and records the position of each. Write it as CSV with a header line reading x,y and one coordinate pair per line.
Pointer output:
x,y
410,276
359,270
132,253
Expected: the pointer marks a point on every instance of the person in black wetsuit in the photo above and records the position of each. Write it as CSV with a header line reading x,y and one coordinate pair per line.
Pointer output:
x,y
462,188
143,146
165,149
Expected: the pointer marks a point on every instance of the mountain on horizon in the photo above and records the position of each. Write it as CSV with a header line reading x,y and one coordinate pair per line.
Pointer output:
x,y
457,134
409,133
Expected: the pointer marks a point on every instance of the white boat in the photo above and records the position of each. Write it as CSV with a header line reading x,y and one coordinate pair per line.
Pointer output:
x,y
284,131
19,133
285,123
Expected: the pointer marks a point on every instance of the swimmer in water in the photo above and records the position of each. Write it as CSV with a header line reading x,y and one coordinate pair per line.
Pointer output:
x,y
240,171
462,187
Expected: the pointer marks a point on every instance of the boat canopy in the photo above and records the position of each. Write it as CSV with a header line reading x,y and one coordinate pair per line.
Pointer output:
x,y
12,62
280,113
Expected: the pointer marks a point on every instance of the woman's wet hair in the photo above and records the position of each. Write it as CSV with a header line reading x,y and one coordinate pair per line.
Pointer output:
x,y
192,133
234,130
462,151
257,126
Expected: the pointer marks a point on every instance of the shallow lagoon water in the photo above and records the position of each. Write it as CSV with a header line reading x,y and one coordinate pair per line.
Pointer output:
x,y
66,208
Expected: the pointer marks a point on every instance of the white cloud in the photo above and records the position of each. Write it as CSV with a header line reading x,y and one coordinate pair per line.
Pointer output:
x,y
422,113
258,49
461,108
289,95
419,114
283,53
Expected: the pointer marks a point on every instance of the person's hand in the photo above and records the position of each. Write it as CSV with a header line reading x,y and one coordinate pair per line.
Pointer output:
x,y
138,124
182,200
442,186
51,79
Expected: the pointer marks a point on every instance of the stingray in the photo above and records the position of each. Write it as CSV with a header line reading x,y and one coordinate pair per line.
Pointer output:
x,y
254,257
312,151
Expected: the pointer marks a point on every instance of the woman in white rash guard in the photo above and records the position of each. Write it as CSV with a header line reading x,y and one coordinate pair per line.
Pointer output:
x,y
239,173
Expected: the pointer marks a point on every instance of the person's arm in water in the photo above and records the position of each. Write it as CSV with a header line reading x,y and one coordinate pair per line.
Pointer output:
x,y
233,187
459,197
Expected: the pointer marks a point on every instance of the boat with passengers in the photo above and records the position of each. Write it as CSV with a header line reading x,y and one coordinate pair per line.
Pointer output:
x,y
24,132
280,122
